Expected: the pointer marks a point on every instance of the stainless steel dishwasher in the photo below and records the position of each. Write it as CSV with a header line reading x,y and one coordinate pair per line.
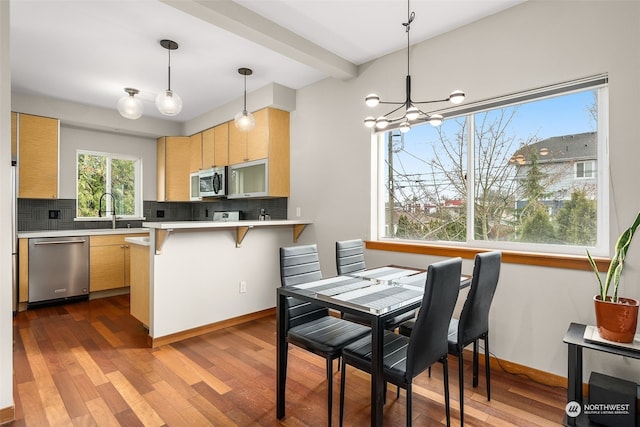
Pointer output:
x,y
58,269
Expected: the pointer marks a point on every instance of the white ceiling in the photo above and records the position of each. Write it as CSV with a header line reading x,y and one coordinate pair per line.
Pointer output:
x,y
88,51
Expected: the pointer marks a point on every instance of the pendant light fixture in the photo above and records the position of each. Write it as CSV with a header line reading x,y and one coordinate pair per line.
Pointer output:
x,y
168,102
412,113
129,106
244,120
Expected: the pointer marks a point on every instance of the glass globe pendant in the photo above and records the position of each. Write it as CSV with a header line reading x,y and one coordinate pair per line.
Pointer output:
x,y
168,102
244,120
130,107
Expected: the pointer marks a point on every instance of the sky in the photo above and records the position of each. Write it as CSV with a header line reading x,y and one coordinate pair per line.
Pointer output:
x,y
564,115
556,116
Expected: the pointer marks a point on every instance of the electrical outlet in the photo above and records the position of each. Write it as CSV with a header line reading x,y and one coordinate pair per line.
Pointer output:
x,y
160,213
298,212
243,287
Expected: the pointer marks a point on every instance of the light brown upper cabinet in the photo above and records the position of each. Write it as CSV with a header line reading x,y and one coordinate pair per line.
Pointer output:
x,y
210,148
253,145
215,146
195,152
279,154
38,144
221,146
173,168
268,140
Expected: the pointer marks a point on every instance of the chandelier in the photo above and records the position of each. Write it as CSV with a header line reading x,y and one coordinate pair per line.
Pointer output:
x,y
412,113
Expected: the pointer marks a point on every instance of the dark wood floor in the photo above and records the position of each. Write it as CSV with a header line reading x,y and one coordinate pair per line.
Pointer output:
x,y
86,364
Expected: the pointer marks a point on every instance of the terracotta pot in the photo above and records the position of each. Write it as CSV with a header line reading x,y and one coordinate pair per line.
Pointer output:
x,y
616,321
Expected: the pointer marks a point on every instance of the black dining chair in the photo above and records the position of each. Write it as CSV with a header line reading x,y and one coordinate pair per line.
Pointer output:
x,y
350,259
310,326
350,256
473,323
406,357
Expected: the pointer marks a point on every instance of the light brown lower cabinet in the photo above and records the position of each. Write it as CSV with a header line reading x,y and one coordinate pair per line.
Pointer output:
x,y
109,262
139,291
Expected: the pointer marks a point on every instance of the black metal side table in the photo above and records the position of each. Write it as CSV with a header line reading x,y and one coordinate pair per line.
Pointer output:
x,y
574,338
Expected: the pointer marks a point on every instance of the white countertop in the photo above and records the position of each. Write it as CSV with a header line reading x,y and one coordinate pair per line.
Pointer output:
x,y
175,225
88,232
142,241
221,224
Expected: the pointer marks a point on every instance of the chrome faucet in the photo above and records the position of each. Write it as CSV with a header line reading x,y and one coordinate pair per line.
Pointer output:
x,y
112,211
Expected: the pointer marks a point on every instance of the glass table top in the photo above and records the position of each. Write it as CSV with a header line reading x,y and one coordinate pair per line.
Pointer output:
x,y
377,291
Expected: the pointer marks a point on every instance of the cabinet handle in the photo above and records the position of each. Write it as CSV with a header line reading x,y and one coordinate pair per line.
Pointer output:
x,y
59,242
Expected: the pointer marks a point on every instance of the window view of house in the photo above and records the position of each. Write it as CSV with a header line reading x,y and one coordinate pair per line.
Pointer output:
x,y
530,168
584,169
101,173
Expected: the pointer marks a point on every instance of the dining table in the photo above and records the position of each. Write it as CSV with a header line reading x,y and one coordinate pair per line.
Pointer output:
x,y
377,295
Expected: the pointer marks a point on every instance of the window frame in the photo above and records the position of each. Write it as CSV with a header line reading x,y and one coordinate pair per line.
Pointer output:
x,y
138,199
600,167
584,163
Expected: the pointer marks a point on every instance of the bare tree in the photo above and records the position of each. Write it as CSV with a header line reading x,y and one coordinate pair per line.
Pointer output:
x,y
432,191
494,184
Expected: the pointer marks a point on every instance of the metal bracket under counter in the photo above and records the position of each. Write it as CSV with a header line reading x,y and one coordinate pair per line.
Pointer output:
x,y
241,231
162,235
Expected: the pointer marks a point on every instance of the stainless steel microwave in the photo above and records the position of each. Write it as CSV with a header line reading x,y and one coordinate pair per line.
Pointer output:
x,y
209,183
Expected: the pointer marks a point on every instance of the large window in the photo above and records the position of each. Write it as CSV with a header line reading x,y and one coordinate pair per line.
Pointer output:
x,y
108,183
524,172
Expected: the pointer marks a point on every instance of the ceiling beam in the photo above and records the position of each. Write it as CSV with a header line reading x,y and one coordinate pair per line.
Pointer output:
x,y
247,24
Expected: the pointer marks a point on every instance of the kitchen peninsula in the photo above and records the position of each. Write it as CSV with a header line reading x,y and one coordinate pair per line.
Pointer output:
x,y
204,275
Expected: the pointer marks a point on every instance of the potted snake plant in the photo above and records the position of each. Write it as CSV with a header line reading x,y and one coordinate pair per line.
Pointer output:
x,y
616,317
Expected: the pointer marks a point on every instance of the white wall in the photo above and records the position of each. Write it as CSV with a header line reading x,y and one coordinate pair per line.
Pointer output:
x,y
528,46
91,128
86,116
271,95
6,306
73,139
196,278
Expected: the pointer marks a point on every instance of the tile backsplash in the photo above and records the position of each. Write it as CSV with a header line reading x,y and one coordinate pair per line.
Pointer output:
x,y
59,214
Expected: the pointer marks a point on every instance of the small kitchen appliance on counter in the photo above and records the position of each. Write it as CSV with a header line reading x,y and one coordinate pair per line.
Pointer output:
x,y
223,216
264,216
